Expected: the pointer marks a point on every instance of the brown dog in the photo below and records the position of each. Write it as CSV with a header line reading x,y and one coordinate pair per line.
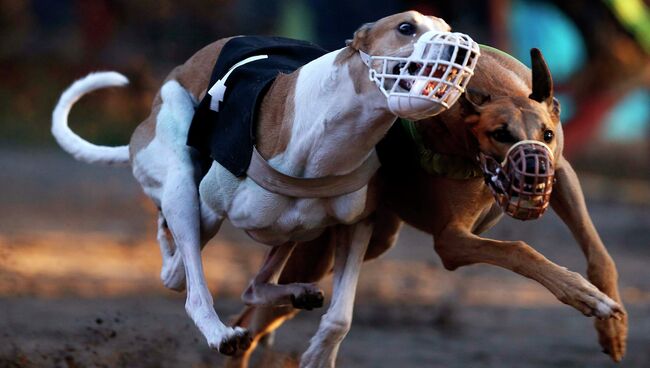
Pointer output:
x,y
499,110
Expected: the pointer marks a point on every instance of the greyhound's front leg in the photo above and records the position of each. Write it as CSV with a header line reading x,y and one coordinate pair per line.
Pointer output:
x,y
180,208
569,203
459,247
351,245
265,291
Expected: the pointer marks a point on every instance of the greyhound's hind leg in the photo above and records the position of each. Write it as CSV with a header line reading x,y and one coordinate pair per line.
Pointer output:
x,y
181,210
172,272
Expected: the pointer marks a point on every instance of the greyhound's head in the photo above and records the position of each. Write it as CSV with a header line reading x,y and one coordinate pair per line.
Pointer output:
x,y
417,63
395,32
518,138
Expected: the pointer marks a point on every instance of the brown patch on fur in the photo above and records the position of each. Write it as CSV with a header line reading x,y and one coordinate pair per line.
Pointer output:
x,y
381,37
344,55
145,132
276,116
193,75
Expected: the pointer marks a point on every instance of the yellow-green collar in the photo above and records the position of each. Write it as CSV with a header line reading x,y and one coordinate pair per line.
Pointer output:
x,y
437,164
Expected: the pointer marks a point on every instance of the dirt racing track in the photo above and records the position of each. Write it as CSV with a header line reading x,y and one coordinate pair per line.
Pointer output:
x,y
79,285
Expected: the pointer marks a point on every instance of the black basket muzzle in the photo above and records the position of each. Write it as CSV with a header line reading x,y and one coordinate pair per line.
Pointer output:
x,y
523,182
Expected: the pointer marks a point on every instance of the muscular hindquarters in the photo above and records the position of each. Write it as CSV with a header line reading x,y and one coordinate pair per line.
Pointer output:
x,y
194,76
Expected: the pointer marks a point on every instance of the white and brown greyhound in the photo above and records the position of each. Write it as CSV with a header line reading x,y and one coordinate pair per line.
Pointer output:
x,y
321,121
432,181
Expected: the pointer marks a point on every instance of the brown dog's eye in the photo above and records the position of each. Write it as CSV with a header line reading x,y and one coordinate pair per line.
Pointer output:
x,y
548,136
503,135
406,28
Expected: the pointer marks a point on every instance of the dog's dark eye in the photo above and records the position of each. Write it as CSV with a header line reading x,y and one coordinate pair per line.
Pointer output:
x,y
548,136
503,135
407,29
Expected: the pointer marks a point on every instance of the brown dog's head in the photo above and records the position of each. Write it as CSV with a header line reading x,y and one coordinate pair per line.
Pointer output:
x,y
518,138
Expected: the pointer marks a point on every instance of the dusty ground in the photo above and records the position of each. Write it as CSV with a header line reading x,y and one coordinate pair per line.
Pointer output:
x,y
79,286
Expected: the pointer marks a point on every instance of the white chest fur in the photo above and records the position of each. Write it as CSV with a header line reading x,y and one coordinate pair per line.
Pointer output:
x,y
273,218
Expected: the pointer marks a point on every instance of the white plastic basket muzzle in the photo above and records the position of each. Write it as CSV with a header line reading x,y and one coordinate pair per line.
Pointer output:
x,y
428,81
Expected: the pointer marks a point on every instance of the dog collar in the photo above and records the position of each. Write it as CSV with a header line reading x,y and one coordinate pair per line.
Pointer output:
x,y
267,177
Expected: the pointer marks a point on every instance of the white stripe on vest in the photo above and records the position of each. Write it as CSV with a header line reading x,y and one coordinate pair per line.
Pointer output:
x,y
218,90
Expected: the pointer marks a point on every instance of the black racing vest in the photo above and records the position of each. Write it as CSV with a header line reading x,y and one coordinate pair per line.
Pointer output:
x,y
228,136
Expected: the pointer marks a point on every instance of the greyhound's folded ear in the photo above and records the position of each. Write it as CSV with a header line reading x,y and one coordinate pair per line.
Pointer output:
x,y
360,38
542,80
472,103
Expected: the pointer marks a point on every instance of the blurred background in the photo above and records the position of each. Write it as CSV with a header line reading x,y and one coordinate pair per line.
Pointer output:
x,y
78,259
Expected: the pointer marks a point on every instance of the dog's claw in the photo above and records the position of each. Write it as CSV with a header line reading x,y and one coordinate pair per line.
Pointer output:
x,y
612,335
245,342
239,341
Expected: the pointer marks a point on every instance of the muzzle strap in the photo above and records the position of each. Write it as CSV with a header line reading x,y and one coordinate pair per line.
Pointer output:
x,y
527,141
365,58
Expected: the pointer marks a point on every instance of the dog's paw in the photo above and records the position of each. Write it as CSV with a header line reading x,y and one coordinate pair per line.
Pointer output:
x,y
585,297
307,297
236,340
612,336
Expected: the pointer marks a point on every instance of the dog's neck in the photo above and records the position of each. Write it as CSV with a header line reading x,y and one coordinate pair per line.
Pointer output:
x,y
338,116
447,134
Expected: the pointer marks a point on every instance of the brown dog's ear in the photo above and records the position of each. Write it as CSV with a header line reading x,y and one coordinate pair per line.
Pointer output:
x,y
555,108
542,80
472,103
358,42
477,98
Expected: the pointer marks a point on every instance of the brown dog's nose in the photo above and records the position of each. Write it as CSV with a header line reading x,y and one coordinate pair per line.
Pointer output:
x,y
532,166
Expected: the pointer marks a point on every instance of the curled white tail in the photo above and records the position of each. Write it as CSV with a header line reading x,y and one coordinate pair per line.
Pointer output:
x,y
79,148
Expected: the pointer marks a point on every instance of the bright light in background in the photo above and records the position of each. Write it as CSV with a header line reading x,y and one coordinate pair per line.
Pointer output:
x,y
563,47
628,121
635,16
565,53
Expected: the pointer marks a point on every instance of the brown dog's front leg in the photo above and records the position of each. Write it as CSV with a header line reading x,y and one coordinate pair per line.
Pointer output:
x,y
265,291
459,247
568,202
